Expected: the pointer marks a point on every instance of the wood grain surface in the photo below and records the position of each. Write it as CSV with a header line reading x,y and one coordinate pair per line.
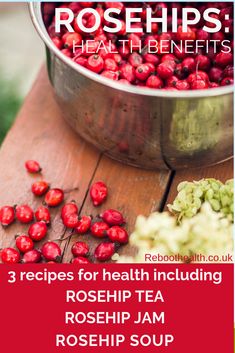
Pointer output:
x,y
132,191
40,133
68,162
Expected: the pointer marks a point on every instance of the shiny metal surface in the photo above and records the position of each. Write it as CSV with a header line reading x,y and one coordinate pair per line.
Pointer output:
x,y
147,128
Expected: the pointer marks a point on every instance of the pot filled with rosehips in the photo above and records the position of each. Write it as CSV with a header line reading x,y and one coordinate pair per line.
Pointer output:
x,y
148,83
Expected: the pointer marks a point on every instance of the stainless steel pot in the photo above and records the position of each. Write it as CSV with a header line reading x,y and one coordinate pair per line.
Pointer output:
x,y
148,128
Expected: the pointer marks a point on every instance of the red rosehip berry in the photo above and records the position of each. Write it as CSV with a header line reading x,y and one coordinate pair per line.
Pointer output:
x,y
112,217
69,208
37,231
199,75
80,249
24,243
154,27
67,52
118,235
189,35
151,67
165,70
112,75
99,229
39,188
179,72
58,42
80,261
127,72
110,65
228,71
202,62
84,225
7,215
199,84
81,60
224,59
227,81
104,251
135,59
43,214
33,166
10,256
117,57
71,220
51,251
188,65
182,85
213,85
95,63
215,74
24,214
169,57
32,257
154,82
203,75
54,197
71,39
98,193
142,72
151,58
171,82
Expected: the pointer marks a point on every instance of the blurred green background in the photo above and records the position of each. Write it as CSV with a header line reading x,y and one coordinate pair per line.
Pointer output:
x,y
21,55
10,101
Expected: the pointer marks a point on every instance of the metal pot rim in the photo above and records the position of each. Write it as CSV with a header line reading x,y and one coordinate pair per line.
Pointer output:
x,y
36,16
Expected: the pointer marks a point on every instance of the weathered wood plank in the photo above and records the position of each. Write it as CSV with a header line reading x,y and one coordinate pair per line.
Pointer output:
x,y
40,133
132,191
68,162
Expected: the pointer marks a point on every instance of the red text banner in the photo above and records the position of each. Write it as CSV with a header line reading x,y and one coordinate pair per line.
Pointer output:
x,y
117,308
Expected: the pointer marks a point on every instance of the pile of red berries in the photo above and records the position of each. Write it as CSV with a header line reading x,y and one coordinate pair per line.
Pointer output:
x,y
108,226
208,67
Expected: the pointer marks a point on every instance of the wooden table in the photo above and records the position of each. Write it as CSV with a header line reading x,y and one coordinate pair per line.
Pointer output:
x,y
40,133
